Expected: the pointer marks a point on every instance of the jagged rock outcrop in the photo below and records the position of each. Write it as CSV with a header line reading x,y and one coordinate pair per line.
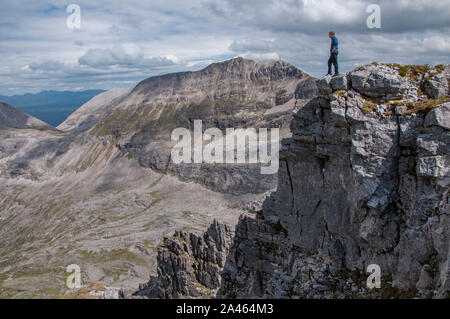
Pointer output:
x,y
189,264
265,263
354,189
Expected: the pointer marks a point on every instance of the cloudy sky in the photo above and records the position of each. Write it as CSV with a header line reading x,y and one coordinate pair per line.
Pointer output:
x,y
122,42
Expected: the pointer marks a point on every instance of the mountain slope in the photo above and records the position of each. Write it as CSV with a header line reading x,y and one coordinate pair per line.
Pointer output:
x,y
11,117
231,94
95,109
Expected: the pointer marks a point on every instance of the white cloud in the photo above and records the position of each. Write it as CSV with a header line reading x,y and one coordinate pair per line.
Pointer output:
x,y
253,45
127,42
260,56
48,66
125,55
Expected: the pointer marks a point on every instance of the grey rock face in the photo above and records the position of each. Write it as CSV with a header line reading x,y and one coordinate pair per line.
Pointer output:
x,y
323,85
439,117
339,82
263,262
383,81
354,189
306,89
189,264
438,85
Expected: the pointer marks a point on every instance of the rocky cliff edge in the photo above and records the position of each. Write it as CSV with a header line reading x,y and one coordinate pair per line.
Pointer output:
x,y
364,180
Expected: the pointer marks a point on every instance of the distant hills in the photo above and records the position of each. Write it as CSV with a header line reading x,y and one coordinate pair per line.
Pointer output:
x,y
52,107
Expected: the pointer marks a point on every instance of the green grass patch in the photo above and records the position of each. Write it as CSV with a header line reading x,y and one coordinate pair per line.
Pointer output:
x,y
340,92
369,105
425,106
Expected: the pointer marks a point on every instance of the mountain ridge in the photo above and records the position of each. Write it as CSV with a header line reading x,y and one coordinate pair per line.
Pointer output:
x,y
234,93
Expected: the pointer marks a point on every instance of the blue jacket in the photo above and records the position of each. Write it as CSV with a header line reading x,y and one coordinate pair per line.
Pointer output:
x,y
334,42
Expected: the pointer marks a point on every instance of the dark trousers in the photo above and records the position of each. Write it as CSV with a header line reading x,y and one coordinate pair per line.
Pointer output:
x,y
333,60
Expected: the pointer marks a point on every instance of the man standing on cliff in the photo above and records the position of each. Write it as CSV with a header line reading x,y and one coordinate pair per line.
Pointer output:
x,y
334,50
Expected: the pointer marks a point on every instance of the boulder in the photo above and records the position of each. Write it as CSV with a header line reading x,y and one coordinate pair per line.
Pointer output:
x,y
383,81
440,116
324,86
437,86
339,82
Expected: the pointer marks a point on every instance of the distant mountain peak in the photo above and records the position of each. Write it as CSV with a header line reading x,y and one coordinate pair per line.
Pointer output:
x,y
233,70
276,68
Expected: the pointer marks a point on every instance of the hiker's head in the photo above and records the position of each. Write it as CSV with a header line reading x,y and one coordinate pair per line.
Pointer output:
x,y
331,34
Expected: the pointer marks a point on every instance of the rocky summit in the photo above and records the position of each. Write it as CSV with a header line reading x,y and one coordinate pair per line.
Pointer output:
x,y
363,180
